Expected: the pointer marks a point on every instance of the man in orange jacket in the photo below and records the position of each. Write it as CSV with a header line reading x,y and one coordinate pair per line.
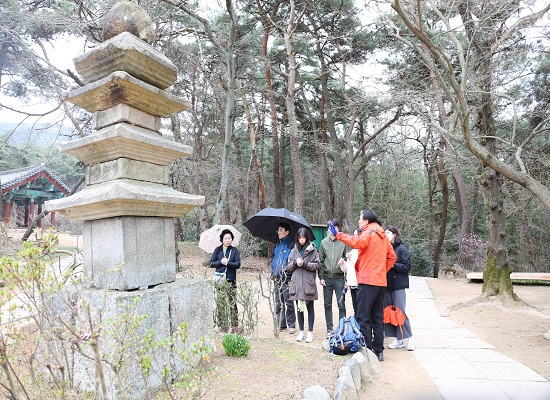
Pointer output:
x,y
376,257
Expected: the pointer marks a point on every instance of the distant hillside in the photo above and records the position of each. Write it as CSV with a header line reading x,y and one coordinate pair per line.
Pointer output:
x,y
39,134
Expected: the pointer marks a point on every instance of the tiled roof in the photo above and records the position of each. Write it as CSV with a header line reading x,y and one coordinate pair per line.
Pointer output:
x,y
14,177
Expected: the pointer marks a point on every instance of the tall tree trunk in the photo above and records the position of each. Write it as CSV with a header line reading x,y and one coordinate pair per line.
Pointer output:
x,y
460,193
477,203
278,181
254,165
227,51
442,177
196,160
349,191
365,174
240,214
327,188
432,205
176,131
496,275
221,203
290,95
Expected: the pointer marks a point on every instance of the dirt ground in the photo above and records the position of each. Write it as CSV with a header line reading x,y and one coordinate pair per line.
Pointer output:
x,y
282,368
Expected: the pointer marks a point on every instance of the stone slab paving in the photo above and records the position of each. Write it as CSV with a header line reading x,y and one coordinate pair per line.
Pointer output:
x,y
461,365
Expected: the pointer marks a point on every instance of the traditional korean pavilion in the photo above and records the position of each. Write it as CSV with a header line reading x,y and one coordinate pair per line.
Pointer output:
x,y
25,190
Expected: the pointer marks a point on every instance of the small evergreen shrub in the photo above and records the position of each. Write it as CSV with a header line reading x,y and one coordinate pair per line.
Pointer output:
x,y
235,345
422,264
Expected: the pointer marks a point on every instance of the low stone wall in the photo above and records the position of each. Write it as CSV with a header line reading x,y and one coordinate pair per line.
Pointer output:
x,y
355,372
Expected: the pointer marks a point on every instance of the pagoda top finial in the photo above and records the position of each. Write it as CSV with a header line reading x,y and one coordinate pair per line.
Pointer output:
x,y
126,16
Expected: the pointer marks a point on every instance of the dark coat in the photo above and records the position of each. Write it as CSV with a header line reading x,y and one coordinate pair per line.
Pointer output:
x,y
303,284
280,260
232,266
398,276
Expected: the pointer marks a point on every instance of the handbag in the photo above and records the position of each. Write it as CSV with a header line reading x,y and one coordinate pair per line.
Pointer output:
x,y
220,277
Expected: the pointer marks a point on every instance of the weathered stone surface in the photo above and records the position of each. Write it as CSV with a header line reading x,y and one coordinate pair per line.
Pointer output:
x,y
355,369
129,253
124,197
547,335
366,374
343,390
124,113
126,16
123,168
316,392
127,53
345,372
128,141
372,360
122,88
160,306
192,306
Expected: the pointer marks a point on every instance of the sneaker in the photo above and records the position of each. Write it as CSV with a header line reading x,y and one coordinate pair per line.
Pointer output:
x,y
309,337
291,330
330,332
396,344
300,336
411,345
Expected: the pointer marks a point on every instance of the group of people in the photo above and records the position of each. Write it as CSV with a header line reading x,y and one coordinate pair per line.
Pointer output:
x,y
372,263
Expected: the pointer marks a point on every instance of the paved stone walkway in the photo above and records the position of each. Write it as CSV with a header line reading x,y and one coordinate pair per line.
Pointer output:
x,y
461,365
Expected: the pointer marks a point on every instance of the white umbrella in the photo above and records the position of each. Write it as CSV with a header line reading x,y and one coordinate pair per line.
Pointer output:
x,y
210,238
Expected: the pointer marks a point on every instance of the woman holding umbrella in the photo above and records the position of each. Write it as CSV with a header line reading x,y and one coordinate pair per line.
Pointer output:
x,y
304,263
226,259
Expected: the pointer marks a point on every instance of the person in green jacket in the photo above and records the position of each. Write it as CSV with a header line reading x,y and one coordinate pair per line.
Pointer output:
x,y
331,276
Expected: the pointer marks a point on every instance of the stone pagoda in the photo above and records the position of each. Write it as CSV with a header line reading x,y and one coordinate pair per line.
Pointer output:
x,y
127,207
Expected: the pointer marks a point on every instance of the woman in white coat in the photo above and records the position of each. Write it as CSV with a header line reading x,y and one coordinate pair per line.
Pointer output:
x,y
347,266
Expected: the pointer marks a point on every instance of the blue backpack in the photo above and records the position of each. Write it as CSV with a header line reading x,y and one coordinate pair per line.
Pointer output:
x,y
347,337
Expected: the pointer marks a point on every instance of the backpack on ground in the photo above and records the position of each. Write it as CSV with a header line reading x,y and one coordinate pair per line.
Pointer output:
x,y
347,337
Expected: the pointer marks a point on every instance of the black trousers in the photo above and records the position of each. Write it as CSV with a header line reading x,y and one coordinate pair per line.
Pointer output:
x,y
310,316
370,315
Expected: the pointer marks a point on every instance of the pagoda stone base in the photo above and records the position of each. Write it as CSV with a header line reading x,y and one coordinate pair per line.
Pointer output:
x,y
126,253
164,307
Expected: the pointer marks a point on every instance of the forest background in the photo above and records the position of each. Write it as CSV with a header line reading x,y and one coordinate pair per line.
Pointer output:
x,y
434,114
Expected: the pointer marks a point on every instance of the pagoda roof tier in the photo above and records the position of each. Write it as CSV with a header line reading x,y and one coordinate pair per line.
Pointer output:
x,y
128,141
122,88
125,52
124,197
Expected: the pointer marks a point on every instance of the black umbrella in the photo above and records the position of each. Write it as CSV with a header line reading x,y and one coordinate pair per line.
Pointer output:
x,y
264,224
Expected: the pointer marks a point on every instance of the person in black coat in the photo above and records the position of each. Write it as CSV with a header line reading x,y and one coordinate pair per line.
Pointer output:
x,y
398,281
226,259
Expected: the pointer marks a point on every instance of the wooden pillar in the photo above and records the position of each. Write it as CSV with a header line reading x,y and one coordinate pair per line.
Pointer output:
x,y
31,212
26,221
7,211
38,212
52,218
